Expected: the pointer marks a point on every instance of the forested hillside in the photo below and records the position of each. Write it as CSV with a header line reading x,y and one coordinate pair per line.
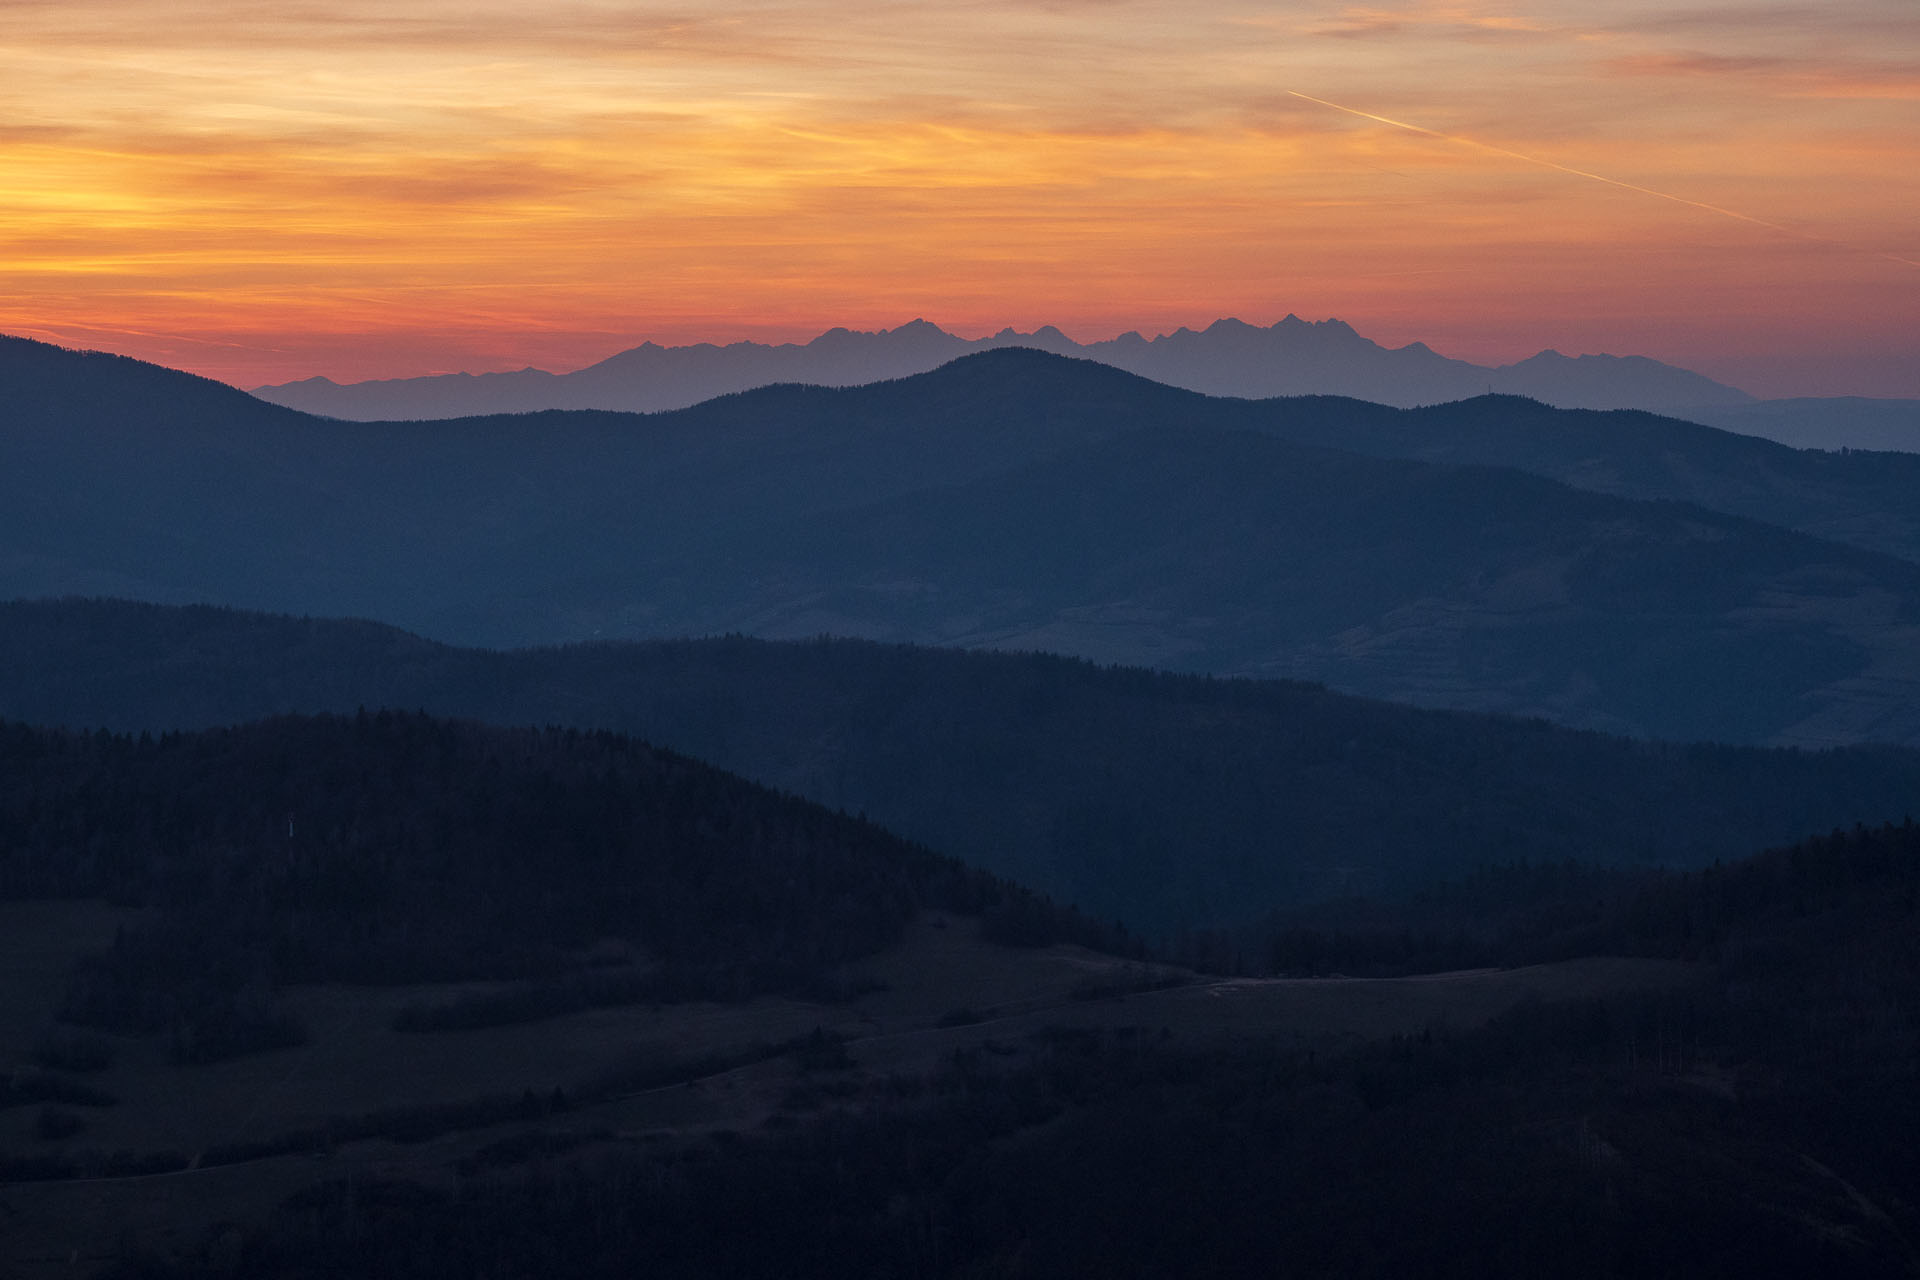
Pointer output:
x,y
392,848
1760,1124
1164,801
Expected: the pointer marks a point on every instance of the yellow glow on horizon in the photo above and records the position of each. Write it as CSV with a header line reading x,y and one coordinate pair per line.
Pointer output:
x,y
367,189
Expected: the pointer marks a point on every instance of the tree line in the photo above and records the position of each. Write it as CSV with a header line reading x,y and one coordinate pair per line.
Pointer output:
x,y
389,848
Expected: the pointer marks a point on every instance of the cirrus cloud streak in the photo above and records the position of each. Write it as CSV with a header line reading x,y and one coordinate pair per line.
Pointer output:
x,y
266,191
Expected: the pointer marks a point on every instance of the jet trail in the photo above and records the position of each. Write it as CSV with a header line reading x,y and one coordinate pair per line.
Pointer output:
x,y
1600,177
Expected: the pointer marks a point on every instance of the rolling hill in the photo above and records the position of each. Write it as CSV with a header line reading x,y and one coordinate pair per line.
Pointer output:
x,y
1740,1101
334,993
1158,800
391,848
1019,500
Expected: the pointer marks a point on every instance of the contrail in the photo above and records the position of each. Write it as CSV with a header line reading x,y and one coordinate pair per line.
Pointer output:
x,y
1612,182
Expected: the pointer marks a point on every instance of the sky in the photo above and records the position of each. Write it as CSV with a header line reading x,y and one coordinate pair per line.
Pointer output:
x,y
262,190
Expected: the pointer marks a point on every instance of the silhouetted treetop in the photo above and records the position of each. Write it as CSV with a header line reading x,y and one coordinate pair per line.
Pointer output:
x,y
393,847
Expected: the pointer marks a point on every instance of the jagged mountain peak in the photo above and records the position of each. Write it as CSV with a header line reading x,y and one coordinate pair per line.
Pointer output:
x,y
1230,356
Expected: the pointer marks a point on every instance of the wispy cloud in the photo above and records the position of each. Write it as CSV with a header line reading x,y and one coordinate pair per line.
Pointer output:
x,y
245,173
1428,21
1784,75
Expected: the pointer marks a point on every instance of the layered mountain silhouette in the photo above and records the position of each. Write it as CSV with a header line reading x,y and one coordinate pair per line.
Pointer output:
x,y
1014,499
482,995
1163,801
1227,358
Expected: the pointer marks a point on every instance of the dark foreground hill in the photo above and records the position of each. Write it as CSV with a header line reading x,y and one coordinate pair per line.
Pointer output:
x,y
1156,799
1020,500
391,848
1758,1123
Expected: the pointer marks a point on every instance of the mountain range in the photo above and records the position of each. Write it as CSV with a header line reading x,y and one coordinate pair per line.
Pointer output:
x,y
1019,500
1400,990
1227,358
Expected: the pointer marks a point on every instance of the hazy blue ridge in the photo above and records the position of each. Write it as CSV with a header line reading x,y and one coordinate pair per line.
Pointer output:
x,y
1227,358
1016,499
1163,801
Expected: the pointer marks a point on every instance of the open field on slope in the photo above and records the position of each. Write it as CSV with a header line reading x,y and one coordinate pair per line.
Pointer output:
x,y
942,991
39,941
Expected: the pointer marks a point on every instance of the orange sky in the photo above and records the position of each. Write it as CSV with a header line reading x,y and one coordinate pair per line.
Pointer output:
x,y
263,190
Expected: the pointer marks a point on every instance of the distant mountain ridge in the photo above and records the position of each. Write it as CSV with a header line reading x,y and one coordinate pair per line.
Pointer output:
x,y
1018,500
1228,358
